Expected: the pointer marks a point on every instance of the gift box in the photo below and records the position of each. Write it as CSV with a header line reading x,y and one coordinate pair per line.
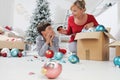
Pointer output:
x,y
93,45
116,45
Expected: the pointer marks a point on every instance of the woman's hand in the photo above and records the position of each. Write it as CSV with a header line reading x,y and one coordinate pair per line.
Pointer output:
x,y
61,30
87,26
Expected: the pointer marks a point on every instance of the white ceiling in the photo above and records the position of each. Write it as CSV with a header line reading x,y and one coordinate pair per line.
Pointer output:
x,y
96,7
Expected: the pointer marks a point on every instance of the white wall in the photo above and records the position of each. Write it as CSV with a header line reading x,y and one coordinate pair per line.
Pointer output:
x,y
118,31
111,18
17,13
6,12
23,11
59,9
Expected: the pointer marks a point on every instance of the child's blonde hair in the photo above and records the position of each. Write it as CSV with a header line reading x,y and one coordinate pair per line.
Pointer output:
x,y
80,4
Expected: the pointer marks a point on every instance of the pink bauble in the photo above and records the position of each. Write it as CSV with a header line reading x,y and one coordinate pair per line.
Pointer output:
x,y
52,69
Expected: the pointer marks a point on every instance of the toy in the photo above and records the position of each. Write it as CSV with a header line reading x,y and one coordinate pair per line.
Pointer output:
x,y
49,54
58,56
14,52
24,53
52,69
8,28
116,61
4,54
19,54
5,50
73,59
62,51
59,28
101,28
91,29
0,54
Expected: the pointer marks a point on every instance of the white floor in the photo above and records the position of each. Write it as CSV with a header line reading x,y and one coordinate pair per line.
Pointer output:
x,y
13,68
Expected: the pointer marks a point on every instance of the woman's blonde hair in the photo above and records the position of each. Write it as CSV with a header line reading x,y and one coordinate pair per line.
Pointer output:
x,y
80,4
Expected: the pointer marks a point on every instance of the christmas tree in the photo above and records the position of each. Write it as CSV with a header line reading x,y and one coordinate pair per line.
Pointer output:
x,y
41,14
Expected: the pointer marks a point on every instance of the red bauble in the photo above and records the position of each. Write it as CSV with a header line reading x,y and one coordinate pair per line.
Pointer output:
x,y
4,54
8,28
62,51
0,54
49,54
19,54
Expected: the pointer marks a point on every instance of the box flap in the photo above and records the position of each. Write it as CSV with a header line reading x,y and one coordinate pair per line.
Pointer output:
x,y
109,35
114,44
87,35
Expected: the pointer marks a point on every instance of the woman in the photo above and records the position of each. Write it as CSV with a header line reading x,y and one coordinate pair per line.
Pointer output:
x,y
47,39
77,22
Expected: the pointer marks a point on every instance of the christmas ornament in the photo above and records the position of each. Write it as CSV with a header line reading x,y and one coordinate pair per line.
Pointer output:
x,y
6,50
0,54
84,30
100,28
8,28
35,56
52,69
116,61
19,54
60,28
14,52
31,73
73,59
58,56
62,51
91,29
24,53
4,54
49,54
62,61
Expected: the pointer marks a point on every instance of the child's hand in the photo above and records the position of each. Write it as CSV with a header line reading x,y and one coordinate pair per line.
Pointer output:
x,y
52,35
49,37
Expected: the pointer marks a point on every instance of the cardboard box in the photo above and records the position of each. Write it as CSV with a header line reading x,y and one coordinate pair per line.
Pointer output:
x,y
93,45
116,45
12,44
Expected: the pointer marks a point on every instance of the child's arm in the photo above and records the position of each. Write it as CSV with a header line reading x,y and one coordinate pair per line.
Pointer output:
x,y
55,44
41,46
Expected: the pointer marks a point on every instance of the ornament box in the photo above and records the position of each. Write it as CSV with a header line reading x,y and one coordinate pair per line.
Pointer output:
x,y
116,45
12,44
93,45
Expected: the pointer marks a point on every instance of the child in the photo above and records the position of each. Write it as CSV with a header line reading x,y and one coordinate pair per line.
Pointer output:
x,y
47,39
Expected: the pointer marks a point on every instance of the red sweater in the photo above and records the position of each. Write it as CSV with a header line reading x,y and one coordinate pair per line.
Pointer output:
x,y
74,28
